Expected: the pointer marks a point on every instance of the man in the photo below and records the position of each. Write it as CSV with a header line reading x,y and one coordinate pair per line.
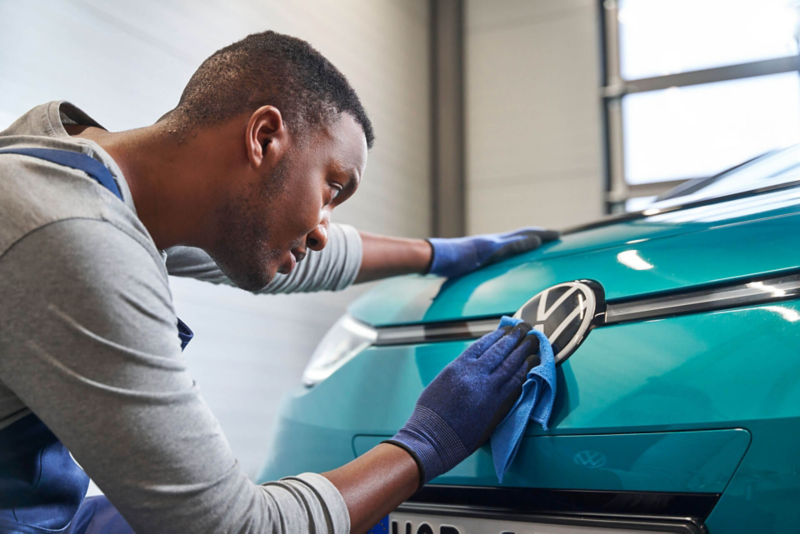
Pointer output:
x,y
235,185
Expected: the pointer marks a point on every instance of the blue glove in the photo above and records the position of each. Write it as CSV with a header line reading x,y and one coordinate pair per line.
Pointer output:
x,y
460,409
462,255
535,403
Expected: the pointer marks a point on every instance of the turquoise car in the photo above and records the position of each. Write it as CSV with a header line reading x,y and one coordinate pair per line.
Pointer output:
x,y
677,336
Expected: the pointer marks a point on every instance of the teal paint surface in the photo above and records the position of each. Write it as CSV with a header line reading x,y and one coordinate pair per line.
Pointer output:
x,y
676,462
690,383
299,448
681,373
628,260
723,370
764,494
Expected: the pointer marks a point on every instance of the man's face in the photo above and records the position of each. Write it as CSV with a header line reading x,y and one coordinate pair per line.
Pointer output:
x,y
269,224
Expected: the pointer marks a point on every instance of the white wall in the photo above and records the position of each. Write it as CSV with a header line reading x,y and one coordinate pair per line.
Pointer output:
x,y
126,63
533,113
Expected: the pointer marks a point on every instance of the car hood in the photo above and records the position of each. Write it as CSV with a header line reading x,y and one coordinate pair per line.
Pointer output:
x,y
664,252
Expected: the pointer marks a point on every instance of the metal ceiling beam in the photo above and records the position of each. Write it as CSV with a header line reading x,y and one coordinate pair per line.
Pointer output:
x,y
697,77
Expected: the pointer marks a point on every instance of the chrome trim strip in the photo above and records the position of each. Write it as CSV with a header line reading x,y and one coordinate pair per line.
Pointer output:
x,y
450,331
758,291
746,294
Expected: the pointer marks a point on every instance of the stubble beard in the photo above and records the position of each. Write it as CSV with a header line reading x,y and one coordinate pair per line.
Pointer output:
x,y
243,252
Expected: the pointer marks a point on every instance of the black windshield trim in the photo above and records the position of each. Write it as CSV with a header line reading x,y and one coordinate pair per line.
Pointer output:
x,y
693,186
644,214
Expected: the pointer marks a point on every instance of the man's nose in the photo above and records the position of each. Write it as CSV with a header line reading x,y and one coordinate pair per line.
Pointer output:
x,y
317,239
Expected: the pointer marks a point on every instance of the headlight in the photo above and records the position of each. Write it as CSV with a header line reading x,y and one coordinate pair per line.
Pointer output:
x,y
343,341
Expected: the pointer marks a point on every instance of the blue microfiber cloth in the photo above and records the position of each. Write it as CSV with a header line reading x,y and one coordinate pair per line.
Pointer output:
x,y
535,403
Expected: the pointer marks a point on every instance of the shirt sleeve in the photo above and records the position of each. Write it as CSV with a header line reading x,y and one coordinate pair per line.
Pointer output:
x,y
332,269
89,344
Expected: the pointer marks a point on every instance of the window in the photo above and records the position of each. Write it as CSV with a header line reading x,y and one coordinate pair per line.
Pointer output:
x,y
694,87
659,37
700,130
775,168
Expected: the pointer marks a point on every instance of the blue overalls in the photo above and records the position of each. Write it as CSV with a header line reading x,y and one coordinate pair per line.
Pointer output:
x,y
42,489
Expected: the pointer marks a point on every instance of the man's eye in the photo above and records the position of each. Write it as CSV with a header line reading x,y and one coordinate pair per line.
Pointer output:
x,y
337,189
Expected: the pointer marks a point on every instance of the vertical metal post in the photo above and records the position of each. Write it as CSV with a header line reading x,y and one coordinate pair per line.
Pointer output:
x,y
614,90
447,118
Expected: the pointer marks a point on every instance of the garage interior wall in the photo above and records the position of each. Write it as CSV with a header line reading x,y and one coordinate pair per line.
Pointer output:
x,y
533,115
126,63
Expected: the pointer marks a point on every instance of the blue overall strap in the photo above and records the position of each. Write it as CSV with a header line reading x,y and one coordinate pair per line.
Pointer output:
x,y
184,333
41,488
73,160
98,171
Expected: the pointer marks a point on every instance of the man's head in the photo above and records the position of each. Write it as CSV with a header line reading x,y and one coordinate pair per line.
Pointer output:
x,y
302,150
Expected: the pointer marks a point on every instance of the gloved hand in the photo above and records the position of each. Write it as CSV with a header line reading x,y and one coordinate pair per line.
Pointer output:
x,y
458,411
462,255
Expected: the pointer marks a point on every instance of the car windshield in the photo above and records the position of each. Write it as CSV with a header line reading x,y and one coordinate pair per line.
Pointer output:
x,y
773,168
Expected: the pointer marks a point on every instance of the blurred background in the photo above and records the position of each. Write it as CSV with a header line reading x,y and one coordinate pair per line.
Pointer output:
x,y
489,114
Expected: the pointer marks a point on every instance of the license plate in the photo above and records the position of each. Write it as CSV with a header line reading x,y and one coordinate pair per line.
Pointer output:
x,y
415,523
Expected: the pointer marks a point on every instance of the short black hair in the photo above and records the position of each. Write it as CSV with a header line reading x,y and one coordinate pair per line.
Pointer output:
x,y
270,68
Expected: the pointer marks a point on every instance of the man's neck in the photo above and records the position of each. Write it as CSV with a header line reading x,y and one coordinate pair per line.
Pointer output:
x,y
170,179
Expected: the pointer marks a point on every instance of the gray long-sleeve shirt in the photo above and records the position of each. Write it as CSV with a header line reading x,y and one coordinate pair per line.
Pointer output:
x,y
88,342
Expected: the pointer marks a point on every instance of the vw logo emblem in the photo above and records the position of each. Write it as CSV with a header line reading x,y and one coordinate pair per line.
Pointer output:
x,y
590,459
565,313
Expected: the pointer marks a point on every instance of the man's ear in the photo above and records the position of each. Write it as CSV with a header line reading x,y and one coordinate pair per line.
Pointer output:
x,y
266,137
